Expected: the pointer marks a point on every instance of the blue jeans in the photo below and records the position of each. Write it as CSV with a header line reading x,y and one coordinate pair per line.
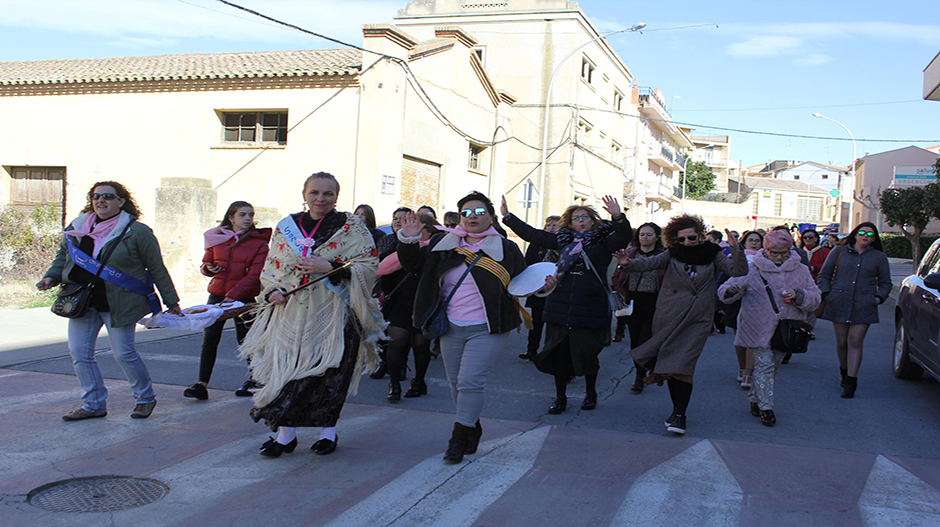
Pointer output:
x,y
83,333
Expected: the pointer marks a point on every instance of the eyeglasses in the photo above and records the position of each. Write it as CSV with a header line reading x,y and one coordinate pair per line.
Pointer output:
x,y
479,211
107,196
691,238
778,253
870,234
580,217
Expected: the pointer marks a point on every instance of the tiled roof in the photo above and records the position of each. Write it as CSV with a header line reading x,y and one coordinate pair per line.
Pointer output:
x,y
777,184
293,63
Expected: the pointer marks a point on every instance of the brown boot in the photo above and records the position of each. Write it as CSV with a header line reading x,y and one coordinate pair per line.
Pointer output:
x,y
459,440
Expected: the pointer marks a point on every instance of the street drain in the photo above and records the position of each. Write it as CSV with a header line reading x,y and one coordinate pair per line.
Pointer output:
x,y
97,494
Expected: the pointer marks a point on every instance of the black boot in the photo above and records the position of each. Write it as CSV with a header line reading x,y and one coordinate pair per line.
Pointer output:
x,y
457,446
418,388
618,335
767,417
475,434
844,372
851,383
380,371
558,405
394,392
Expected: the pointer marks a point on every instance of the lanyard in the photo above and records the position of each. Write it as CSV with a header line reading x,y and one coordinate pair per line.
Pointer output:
x,y
308,241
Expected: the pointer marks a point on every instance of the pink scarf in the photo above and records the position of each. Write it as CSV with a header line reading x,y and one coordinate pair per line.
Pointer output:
x,y
220,235
391,263
98,230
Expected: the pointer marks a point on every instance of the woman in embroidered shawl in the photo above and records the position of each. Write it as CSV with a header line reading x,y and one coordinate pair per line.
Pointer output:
x,y
309,348
577,313
685,307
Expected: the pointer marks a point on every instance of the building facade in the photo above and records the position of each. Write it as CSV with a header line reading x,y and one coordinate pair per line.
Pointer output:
x,y
874,173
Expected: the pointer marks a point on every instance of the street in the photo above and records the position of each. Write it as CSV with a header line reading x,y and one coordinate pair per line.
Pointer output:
x,y
864,461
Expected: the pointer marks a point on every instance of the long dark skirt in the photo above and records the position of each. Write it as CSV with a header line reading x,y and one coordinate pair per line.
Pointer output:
x,y
581,344
314,401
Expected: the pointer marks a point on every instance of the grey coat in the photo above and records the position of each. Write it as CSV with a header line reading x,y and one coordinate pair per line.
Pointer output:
x,y
685,310
861,282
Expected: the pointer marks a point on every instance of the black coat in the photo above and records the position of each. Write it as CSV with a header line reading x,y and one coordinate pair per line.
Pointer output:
x,y
533,255
502,314
580,299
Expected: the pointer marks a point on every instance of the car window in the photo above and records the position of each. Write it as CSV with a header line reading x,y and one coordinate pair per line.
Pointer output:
x,y
929,263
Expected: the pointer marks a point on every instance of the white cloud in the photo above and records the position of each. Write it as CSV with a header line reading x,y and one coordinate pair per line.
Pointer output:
x,y
765,46
813,59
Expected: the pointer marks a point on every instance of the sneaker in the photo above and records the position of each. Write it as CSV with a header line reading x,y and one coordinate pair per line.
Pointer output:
x,y
671,419
677,426
246,389
143,410
196,391
81,413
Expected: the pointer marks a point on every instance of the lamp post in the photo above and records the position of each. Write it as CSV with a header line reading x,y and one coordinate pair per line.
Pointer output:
x,y
548,102
851,171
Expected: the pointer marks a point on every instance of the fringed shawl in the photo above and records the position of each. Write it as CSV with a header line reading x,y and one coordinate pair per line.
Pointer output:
x,y
304,337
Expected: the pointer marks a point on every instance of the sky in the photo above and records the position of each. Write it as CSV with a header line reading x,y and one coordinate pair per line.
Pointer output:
x,y
749,66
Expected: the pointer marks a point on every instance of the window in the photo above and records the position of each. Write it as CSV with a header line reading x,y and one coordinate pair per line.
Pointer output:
x,y
796,177
809,209
474,162
618,100
778,204
587,69
825,176
255,127
929,261
756,203
584,133
616,152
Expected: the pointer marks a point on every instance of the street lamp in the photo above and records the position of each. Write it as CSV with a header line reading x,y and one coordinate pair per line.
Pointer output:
x,y
851,171
548,102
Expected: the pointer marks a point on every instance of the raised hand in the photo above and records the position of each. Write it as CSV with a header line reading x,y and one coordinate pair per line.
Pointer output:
x,y
504,208
411,226
622,257
612,206
732,238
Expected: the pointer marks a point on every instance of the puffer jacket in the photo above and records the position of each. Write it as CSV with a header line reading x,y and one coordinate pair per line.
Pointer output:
x,y
757,319
241,266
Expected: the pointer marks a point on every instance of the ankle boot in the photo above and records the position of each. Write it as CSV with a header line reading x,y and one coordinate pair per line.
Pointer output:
x,y
844,372
394,392
457,446
618,335
475,434
380,371
850,384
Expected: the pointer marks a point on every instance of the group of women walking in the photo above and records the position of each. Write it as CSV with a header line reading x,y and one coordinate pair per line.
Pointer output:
x,y
333,290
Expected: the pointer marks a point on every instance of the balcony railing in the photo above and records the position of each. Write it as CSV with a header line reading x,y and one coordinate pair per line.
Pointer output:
x,y
650,93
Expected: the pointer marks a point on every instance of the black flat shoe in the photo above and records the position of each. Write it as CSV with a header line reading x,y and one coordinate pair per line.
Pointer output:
x,y
786,358
767,417
197,391
558,405
638,384
529,355
245,390
590,401
324,446
394,392
272,448
755,410
418,388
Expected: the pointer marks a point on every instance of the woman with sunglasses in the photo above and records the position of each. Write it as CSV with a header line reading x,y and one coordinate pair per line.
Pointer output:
x,y
809,242
794,293
472,265
107,228
854,280
685,307
577,313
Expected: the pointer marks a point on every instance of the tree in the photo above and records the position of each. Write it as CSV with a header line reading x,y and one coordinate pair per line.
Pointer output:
x,y
699,180
911,209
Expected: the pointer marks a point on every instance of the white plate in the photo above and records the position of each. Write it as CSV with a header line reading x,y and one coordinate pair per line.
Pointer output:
x,y
532,279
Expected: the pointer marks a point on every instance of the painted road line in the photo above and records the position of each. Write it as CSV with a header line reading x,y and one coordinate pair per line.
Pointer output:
x,y
693,488
435,493
893,496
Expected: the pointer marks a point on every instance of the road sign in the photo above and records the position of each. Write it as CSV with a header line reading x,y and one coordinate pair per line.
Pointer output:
x,y
527,197
905,176
834,193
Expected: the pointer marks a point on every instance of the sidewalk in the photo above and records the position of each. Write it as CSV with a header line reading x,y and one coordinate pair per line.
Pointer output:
x,y
388,471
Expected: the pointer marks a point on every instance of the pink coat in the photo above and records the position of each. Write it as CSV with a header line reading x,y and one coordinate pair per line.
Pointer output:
x,y
757,320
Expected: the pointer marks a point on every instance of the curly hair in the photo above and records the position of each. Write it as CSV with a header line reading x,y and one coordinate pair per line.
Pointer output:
x,y
682,222
130,206
565,222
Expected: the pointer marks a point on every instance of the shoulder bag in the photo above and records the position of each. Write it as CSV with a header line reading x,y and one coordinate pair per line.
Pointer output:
x,y
822,304
71,300
613,299
790,336
438,323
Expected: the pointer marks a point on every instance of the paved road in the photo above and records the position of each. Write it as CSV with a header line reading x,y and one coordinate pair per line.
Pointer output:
x,y
867,461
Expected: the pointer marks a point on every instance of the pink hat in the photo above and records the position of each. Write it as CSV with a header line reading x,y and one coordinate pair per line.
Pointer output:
x,y
778,241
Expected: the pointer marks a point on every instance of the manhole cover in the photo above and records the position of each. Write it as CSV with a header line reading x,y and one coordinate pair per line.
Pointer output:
x,y
97,494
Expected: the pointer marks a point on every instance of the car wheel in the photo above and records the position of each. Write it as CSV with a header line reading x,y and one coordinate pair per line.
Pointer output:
x,y
903,366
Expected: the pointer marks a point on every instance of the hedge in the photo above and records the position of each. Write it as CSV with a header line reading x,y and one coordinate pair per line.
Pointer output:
x,y
897,246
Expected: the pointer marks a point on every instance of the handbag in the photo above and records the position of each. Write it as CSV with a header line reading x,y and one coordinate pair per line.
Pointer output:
x,y
613,299
790,336
438,324
822,304
71,300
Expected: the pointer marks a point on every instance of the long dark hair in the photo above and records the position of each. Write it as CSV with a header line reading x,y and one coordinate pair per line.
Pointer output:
x,y
876,243
818,238
227,222
369,214
479,196
748,233
130,205
656,229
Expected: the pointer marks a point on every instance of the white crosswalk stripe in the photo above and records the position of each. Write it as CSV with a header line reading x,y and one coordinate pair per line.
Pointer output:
x,y
895,497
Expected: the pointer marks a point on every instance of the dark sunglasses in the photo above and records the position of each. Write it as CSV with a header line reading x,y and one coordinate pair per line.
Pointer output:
x,y
107,196
809,236
479,211
870,234
691,238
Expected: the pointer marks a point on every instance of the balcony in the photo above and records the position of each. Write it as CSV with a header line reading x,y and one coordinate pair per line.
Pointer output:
x,y
665,157
652,106
661,192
